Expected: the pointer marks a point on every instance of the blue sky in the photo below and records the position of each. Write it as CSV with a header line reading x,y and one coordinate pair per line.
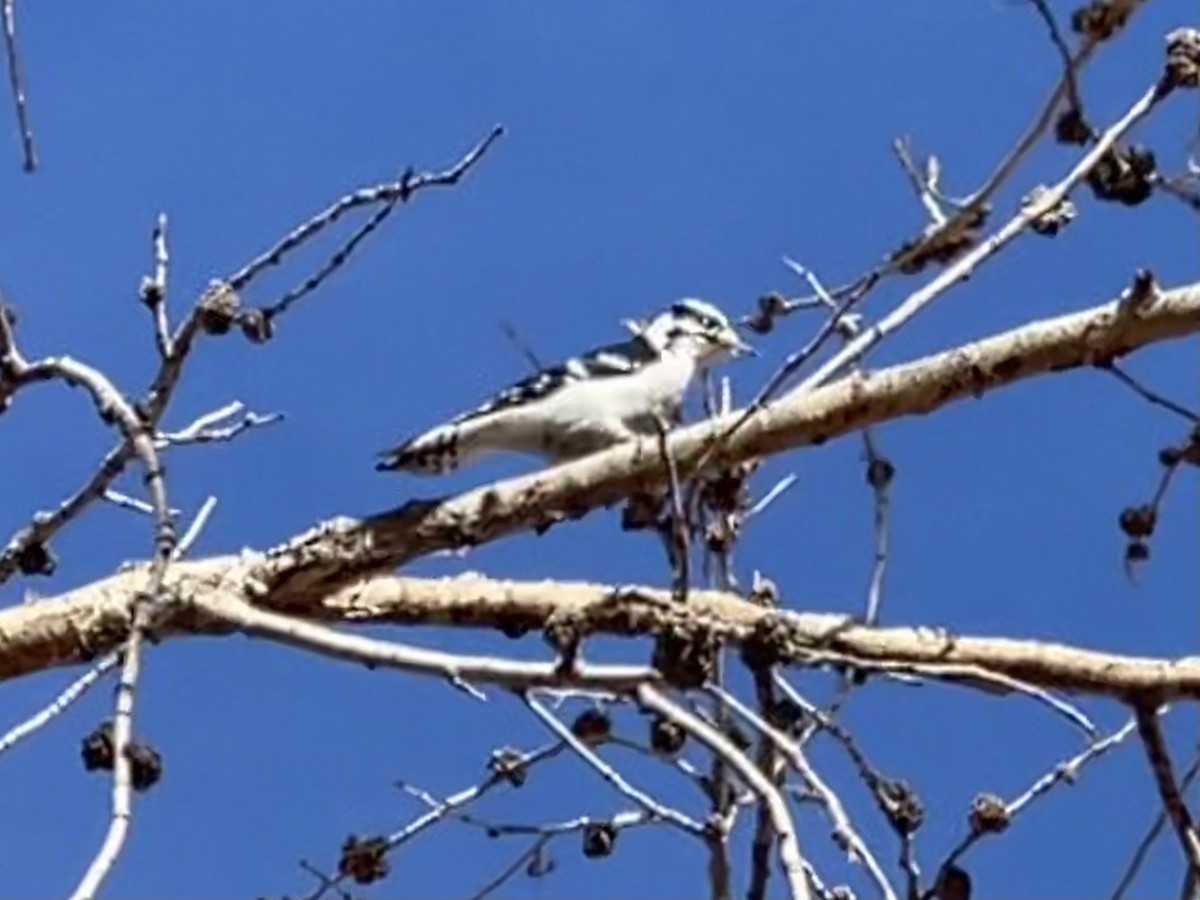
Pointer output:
x,y
654,150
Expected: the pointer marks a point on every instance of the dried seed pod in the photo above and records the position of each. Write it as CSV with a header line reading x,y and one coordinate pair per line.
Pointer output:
x,y
666,737
364,859
1071,128
509,765
903,807
599,838
989,814
218,308
97,748
880,473
36,559
953,883
1183,58
1100,19
592,726
1138,521
145,766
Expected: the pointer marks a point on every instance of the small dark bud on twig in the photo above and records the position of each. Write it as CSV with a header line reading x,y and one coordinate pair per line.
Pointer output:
x,y
150,292
666,737
989,814
1100,19
36,559
1183,58
363,859
592,726
599,838
257,326
1071,128
1138,521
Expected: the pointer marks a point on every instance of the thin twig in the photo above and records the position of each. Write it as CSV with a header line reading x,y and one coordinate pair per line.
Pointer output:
x,y
1155,745
966,264
69,695
122,783
523,348
876,782
390,192
47,524
791,364
720,788
782,485
879,476
609,774
1036,129
133,504
1066,772
546,833
772,765
184,547
1184,188
678,538
619,821
522,861
721,799
326,882
844,833
977,676
339,258
16,85
796,870
1152,396
505,772
154,288
122,735
690,771
922,186
323,640
215,427
1143,848
114,408
1069,64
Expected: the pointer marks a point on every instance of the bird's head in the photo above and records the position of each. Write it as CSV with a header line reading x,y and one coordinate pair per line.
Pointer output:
x,y
698,328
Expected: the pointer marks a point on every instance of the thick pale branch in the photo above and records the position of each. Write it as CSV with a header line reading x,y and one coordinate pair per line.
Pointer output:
x,y
93,620
341,551
314,575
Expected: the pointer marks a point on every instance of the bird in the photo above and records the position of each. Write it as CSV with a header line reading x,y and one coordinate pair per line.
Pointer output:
x,y
610,394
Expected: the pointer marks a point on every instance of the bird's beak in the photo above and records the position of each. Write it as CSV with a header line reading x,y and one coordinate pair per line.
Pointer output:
x,y
733,342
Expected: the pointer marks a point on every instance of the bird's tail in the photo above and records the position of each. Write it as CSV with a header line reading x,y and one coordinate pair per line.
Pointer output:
x,y
433,453
444,448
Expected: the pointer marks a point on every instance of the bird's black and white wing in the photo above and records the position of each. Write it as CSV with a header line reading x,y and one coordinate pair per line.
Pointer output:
x,y
546,413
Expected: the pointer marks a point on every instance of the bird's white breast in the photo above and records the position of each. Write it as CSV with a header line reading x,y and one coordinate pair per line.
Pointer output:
x,y
655,389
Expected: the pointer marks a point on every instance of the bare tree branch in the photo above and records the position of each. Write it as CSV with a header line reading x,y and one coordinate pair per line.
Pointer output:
x,y
16,84
507,767
388,193
69,695
59,631
27,550
1150,731
153,291
652,807
795,869
1152,833
964,266
844,833
1065,772
113,408
321,561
